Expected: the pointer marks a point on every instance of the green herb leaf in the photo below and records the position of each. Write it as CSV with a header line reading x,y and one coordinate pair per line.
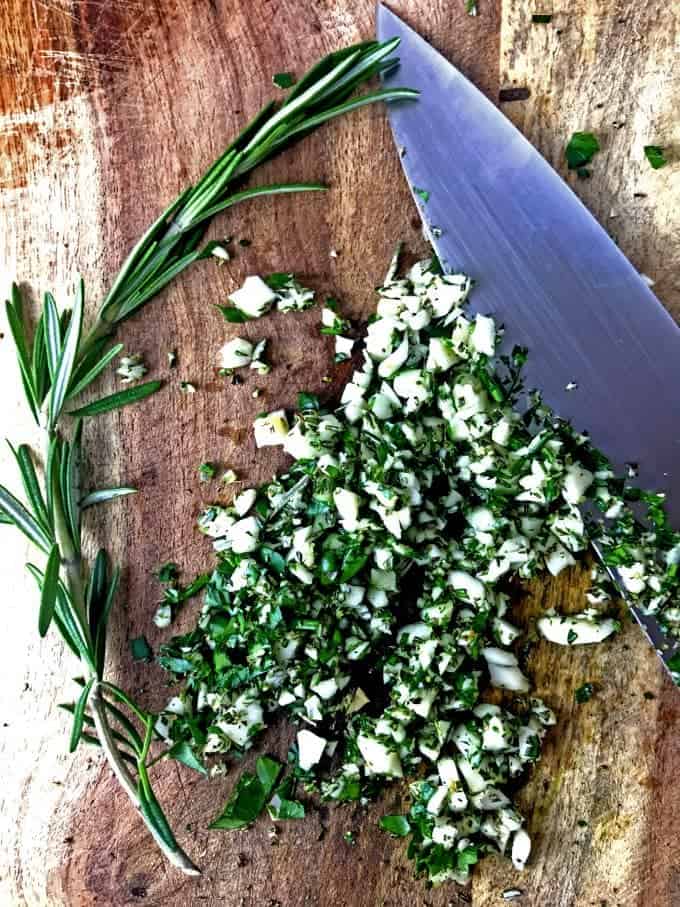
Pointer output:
x,y
79,715
206,472
14,318
281,808
268,771
397,826
52,335
673,663
100,638
32,486
245,804
119,399
279,280
308,402
467,857
140,649
655,156
233,315
105,494
581,149
154,816
584,693
424,194
352,562
48,595
284,79
67,358
182,752
81,383
273,559
15,512
168,572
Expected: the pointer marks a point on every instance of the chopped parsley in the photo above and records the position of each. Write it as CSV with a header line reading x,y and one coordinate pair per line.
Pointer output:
x,y
655,156
397,826
233,315
206,472
423,194
140,649
250,795
581,149
284,79
584,693
168,572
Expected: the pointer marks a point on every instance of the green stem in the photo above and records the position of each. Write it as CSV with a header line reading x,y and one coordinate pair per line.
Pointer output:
x,y
72,571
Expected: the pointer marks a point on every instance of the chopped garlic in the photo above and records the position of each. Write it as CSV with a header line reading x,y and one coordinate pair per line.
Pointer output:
x,y
271,429
254,298
236,353
576,629
310,749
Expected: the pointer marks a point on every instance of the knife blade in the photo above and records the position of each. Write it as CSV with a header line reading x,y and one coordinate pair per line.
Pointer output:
x,y
494,208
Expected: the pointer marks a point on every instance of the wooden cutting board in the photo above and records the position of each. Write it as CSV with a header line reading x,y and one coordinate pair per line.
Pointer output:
x,y
107,109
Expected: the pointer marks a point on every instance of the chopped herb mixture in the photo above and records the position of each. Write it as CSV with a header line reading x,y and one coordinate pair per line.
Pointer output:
x,y
365,593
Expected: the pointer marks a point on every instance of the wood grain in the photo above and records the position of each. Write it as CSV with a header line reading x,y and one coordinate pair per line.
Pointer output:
x,y
106,111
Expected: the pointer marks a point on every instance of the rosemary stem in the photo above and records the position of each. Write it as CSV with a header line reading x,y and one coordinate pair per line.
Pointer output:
x,y
175,855
72,570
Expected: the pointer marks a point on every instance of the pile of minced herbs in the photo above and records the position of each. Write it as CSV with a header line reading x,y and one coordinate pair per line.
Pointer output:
x,y
364,594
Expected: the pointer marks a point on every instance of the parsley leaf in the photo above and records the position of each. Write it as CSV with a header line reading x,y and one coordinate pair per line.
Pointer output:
x,y
308,402
140,649
397,826
279,280
244,806
282,805
673,663
581,149
284,79
655,156
468,856
584,693
422,193
182,752
168,572
273,559
268,771
232,314
250,795
206,472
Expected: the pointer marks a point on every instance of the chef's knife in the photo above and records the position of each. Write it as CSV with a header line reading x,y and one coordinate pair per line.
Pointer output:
x,y
495,209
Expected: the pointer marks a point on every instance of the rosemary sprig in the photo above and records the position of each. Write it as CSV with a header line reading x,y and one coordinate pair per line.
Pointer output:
x,y
174,240
57,363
